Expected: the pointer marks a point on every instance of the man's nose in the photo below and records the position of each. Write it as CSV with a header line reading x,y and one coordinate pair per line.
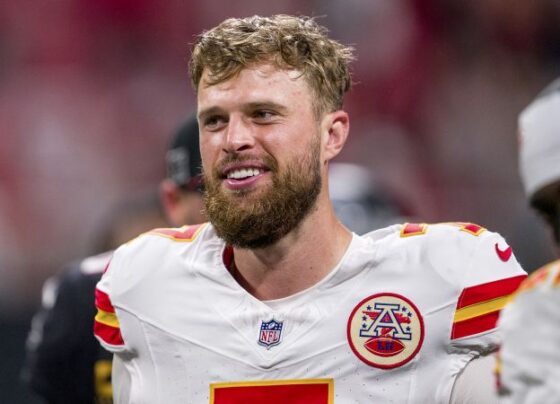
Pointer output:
x,y
239,135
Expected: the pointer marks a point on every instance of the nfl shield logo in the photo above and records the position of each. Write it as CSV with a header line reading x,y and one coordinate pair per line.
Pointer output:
x,y
270,333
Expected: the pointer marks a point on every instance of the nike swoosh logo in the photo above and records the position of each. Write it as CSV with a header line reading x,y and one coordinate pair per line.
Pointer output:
x,y
504,255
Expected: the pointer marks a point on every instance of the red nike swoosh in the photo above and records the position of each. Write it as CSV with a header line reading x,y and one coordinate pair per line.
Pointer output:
x,y
504,255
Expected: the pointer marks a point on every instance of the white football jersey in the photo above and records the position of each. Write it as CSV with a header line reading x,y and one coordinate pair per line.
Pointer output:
x,y
394,322
529,371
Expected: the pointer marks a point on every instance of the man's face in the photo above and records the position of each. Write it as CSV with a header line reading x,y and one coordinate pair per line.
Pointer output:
x,y
261,151
547,203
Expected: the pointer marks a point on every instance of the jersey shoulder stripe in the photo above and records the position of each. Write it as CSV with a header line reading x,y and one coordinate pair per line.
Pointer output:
x,y
479,306
468,255
471,228
185,233
109,336
103,302
413,229
487,291
106,325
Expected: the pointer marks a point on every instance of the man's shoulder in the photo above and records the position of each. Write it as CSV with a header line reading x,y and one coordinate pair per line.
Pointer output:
x,y
448,234
149,275
462,266
163,239
183,234
155,250
465,254
457,237
445,231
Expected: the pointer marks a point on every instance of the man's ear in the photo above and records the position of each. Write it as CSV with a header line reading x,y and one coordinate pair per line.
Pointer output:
x,y
337,126
169,195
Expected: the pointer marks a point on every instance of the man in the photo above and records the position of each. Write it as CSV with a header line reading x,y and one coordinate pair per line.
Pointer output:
x,y
275,300
530,353
65,364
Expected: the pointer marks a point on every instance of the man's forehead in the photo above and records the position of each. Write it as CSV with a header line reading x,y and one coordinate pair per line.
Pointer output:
x,y
264,71
255,84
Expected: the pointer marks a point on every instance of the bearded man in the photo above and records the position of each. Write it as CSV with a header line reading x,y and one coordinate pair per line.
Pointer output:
x,y
275,300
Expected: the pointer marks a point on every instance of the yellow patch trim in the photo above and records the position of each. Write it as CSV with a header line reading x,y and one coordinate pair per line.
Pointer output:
x,y
498,364
181,229
463,226
474,233
479,309
556,281
423,230
107,318
177,229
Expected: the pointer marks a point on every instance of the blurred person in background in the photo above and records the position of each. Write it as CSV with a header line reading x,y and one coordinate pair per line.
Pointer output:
x,y
361,202
529,359
275,300
64,363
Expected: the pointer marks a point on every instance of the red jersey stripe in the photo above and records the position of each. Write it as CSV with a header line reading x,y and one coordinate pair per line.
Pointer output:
x,y
475,325
472,228
274,393
413,229
185,233
103,302
488,291
108,334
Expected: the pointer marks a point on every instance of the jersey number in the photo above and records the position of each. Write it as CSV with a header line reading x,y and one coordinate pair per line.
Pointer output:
x,y
311,391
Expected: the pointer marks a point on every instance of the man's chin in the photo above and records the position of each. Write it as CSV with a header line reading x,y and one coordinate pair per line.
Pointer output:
x,y
244,196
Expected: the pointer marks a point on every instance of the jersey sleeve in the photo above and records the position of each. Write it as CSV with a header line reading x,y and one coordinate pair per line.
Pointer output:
x,y
528,370
490,277
106,326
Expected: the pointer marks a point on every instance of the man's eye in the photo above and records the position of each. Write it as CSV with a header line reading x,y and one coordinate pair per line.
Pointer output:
x,y
214,122
264,115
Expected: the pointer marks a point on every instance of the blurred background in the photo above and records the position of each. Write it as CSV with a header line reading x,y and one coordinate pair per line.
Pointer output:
x,y
90,92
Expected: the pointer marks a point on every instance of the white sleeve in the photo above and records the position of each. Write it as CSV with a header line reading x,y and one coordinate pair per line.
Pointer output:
x,y
106,325
530,353
491,277
475,384
121,381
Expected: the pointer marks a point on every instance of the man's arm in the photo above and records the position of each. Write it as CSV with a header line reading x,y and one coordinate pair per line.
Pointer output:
x,y
121,381
475,384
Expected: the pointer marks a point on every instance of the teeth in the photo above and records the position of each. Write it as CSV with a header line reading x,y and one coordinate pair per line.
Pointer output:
x,y
243,173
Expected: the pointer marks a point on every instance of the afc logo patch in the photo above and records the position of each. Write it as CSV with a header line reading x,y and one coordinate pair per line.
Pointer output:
x,y
385,330
270,333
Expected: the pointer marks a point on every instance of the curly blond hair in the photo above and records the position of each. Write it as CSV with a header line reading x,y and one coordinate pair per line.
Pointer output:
x,y
287,42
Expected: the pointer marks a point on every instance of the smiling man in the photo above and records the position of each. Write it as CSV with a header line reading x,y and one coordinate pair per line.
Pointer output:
x,y
266,174
275,300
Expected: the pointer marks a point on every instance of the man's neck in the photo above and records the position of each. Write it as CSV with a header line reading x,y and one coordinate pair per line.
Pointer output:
x,y
297,261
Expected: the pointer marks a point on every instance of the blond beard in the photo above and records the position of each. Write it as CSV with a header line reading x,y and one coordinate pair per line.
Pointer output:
x,y
272,215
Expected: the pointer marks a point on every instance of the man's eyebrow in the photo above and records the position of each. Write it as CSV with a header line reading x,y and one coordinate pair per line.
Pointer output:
x,y
266,105
252,106
209,111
